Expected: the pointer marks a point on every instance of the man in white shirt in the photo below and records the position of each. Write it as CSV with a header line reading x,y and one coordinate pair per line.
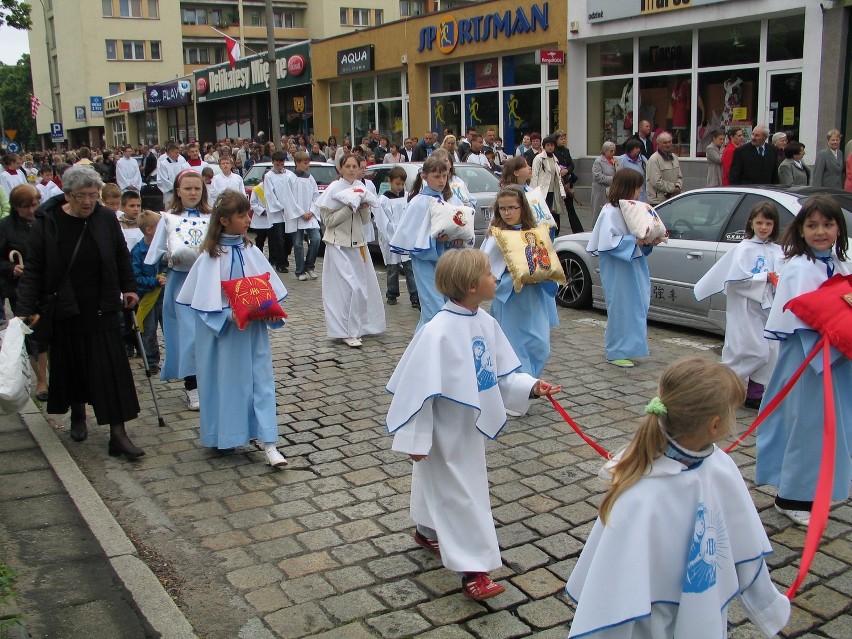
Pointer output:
x,y
407,149
127,174
476,156
170,164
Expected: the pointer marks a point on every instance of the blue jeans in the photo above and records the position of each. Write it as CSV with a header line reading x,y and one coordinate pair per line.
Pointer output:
x,y
280,244
308,263
149,331
393,280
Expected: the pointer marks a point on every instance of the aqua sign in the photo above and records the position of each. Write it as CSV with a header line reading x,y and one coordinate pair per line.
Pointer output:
x,y
451,33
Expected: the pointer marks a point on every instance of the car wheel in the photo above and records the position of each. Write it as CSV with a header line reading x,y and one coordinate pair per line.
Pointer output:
x,y
577,293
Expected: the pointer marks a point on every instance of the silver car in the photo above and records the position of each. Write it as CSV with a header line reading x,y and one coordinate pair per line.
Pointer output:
x,y
703,225
482,184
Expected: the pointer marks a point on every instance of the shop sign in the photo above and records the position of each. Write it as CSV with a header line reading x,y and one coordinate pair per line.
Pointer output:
x,y
603,10
355,60
135,105
253,74
451,33
112,106
550,56
169,94
96,106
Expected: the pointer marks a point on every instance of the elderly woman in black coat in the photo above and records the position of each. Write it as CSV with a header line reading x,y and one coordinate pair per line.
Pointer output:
x,y
78,264
14,236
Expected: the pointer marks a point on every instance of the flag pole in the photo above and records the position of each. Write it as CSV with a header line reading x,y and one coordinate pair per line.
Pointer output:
x,y
225,35
242,29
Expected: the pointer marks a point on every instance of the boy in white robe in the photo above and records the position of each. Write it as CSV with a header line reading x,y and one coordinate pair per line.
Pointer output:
x,y
47,188
305,193
169,166
279,206
452,386
225,180
127,173
392,206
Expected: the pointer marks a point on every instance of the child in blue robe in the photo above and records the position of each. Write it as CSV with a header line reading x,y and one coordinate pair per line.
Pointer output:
x,y
624,274
235,380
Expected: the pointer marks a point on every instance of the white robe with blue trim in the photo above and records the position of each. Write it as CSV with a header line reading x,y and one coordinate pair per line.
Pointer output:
x,y
678,546
451,387
236,387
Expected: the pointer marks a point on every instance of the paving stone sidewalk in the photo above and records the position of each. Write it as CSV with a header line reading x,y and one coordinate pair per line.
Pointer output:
x,y
323,549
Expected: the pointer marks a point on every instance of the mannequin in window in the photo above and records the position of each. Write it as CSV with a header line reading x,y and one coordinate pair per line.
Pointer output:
x,y
733,95
680,109
627,105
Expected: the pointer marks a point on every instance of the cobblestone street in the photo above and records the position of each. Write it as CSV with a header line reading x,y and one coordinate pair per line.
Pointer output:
x,y
324,548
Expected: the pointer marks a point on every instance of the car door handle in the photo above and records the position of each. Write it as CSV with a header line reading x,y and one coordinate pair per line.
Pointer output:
x,y
695,255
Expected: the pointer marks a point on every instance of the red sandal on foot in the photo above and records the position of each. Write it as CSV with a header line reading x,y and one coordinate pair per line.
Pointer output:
x,y
428,544
478,586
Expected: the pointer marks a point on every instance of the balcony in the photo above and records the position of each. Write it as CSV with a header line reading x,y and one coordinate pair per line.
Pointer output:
x,y
204,31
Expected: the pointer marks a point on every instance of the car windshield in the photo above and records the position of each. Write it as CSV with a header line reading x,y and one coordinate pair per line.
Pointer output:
x,y
478,179
324,175
255,175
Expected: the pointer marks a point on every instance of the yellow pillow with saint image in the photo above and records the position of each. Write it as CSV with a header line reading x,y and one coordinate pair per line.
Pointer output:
x,y
529,256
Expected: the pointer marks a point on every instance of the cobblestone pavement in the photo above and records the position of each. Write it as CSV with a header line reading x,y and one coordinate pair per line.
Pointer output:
x,y
324,548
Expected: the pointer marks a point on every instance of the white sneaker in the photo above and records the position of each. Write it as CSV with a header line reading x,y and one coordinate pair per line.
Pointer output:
x,y
512,413
192,400
302,277
312,275
275,459
801,517
354,342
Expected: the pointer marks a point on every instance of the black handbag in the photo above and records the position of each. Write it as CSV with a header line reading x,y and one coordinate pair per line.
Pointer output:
x,y
43,329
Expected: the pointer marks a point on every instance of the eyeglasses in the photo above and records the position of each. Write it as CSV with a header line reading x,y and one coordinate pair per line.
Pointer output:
x,y
83,197
507,209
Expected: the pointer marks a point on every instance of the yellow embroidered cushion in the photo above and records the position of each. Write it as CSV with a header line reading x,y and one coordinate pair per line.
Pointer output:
x,y
529,255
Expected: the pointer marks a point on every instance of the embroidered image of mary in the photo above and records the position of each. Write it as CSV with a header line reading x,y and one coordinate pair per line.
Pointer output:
x,y
759,265
709,542
485,375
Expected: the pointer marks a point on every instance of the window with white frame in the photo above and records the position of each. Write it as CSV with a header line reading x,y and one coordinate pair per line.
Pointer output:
x,y
106,8
133,49
130,8
196,55
153,8
114,87
411,7
111,50
283,19
361,17
344,16
365,103
195,16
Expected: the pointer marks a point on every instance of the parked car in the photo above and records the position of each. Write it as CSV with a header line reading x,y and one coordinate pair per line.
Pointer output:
x,y
152,196
324,173
703,225
482,184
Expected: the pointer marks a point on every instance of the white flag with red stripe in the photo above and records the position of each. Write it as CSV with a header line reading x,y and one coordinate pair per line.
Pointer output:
x,y
35,103
233,51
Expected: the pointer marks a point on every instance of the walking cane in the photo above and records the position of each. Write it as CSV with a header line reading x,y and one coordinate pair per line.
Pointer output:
x,y
148,371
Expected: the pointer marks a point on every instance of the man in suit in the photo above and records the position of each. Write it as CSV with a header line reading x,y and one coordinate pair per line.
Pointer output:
x,y
755,163
407,149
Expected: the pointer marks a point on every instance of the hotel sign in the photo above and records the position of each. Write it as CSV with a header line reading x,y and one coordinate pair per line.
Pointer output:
x,y
604,10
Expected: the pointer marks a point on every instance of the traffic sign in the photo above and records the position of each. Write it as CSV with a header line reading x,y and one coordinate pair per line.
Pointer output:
x,y
13,147
57,134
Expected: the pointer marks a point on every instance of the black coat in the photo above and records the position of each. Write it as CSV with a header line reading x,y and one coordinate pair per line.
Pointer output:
x,y
748,167
419,153
14,236
150,165
647,145
44,270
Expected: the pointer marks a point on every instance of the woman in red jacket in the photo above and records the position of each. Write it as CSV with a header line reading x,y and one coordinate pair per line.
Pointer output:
x,y
735,138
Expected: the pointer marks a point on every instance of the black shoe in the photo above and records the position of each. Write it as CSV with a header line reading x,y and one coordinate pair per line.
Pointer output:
x,y
282,269
392,301
415,304
79,431
42,396
753,402
130,451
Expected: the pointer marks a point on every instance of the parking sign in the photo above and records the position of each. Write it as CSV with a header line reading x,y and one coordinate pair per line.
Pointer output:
x,y
57,134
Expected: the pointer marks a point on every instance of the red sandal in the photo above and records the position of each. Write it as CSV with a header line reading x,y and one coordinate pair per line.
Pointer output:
x,y
478,586
428,544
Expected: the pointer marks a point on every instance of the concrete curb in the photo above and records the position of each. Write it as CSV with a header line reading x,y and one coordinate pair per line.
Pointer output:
x,y
149,596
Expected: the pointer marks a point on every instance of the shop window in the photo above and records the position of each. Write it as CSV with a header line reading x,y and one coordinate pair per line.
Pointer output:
x,y
726,98
155,50
521,69
445,78
341,123
552,72
665,101
482,110
481,74
338,91
446,113
389,85
111,53
133,49
737,43
363,89
153,9
390,119
614,57
363,119
665,52
360,17
521,115
610,115
106,8
786,38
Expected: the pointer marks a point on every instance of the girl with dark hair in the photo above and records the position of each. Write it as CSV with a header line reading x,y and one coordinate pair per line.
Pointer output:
x,y
624,274
747,275
789,443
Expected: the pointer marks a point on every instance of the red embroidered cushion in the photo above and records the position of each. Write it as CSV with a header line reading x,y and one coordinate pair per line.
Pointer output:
x,y
252,298
826,311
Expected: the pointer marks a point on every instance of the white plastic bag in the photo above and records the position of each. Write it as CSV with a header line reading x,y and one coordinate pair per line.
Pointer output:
x,y
15,371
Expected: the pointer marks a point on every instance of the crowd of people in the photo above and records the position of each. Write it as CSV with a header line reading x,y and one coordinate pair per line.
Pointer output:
x,y
94,263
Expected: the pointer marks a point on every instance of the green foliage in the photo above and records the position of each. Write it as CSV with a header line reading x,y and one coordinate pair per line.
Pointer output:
x,y
16,14
16,87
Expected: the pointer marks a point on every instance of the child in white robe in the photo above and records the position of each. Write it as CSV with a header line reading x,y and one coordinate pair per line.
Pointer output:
x,y
392,206
790,442
678,536
305,193
227,357
351,297
746,274
450,390
225,180
47,188
178,323
279,207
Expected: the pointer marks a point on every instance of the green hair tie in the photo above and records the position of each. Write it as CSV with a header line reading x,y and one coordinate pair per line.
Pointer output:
x,y
656,407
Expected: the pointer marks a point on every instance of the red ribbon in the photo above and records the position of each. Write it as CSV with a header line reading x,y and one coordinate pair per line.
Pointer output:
x,y
577,430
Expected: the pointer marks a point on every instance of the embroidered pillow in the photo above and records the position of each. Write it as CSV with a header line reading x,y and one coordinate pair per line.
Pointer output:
x,y
454,221
539,207
252,298
642,220
183,239
529,255
828,311
355,195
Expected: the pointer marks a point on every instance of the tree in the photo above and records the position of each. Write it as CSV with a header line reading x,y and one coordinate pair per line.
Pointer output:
x,y
16,14
16,87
